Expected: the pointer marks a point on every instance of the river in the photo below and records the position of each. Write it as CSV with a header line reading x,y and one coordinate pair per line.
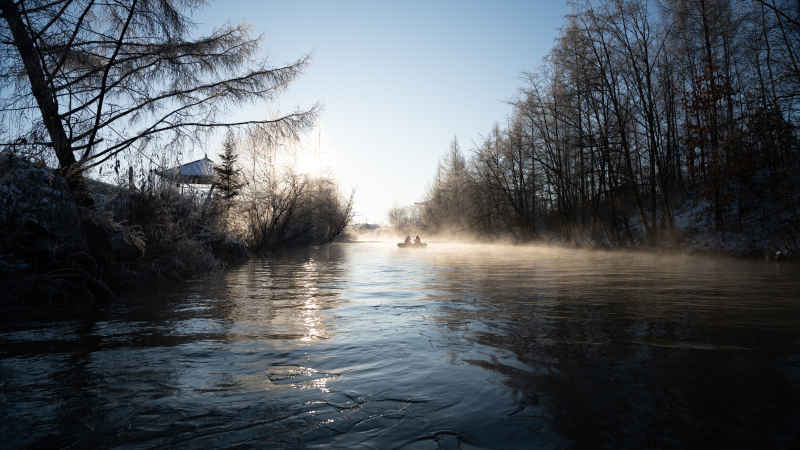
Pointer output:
x,y
365,345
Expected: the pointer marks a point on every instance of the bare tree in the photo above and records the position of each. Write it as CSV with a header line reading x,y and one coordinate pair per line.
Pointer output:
x,y
86,80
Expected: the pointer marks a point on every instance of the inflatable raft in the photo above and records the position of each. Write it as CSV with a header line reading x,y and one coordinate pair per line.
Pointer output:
x,y
411,245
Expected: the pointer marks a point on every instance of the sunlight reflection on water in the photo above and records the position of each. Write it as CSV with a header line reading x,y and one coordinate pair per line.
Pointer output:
x,y
455,345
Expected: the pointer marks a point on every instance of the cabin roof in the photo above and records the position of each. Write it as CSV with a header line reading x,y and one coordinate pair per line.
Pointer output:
x,y
195,172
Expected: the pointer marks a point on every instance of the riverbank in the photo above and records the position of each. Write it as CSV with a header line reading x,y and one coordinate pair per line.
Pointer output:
x,y
770,231
56,252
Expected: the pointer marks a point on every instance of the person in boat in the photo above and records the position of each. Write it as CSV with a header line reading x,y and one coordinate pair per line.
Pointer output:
x,y
408,240
417,240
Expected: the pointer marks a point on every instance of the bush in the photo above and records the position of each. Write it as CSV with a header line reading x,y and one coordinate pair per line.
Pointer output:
x,y
296,211
180,234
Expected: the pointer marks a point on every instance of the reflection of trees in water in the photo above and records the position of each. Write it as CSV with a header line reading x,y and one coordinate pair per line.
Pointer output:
x,y
624,356
149,370
54,374
78,408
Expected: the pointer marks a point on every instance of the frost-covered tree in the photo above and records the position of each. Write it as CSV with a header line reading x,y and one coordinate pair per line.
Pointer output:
x,y
84,80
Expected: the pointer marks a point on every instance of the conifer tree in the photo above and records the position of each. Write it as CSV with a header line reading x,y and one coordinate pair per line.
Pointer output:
x,y
228,177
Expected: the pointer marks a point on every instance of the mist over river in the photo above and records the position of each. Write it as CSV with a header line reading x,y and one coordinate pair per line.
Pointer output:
x,y
365,345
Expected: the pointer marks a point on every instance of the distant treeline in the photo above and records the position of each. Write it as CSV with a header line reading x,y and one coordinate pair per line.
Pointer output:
x,y
640,108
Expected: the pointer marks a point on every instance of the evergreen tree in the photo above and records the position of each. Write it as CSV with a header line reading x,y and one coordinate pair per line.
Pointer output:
x,y
228,178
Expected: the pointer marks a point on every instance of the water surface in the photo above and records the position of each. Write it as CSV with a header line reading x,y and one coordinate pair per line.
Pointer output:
x,y
455,346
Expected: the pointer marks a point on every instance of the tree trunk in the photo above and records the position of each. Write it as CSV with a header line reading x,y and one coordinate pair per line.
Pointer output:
x,y
39,87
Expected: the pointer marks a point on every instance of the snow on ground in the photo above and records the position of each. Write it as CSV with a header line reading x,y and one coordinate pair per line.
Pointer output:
x,y
764,231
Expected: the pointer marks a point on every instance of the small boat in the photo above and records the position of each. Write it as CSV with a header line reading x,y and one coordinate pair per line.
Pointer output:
x,y
411,245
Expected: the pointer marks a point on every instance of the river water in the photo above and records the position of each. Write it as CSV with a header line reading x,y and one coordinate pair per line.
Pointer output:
x,y
365,345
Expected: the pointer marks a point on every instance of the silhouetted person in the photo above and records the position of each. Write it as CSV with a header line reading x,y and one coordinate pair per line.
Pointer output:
x,y
417,240
408,239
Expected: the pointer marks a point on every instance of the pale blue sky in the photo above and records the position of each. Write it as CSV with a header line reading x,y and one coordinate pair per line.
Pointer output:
x,y
398,80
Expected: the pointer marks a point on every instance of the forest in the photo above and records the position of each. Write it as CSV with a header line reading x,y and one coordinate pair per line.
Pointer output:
x,y
647,121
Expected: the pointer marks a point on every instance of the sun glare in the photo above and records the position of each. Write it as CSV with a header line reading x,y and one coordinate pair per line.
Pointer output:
x,y
311,153
308,162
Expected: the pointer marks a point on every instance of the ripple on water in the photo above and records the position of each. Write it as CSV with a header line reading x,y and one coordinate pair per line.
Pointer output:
x,y
457,346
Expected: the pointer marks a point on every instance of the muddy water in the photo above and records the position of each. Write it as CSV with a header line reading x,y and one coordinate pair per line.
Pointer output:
x,y
455,346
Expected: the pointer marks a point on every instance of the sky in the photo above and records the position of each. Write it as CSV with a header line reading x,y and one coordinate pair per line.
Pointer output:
x,y
397,81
